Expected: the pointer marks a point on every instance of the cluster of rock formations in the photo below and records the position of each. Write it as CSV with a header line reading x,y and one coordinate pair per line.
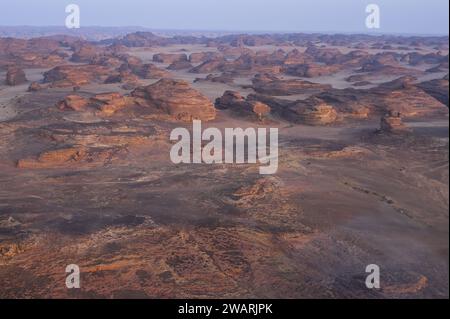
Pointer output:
x,y
176,98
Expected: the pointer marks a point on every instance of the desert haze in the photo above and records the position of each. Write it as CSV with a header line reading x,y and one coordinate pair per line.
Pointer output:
x,y
86,176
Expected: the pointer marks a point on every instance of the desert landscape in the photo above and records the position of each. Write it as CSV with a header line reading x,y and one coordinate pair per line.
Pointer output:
x,y
86,177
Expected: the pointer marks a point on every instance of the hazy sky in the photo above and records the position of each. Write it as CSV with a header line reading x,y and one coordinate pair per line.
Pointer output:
x,y
397,16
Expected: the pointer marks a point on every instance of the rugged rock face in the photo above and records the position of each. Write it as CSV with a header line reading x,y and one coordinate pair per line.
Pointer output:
x,y
392,122
169,57
75,75
104,104
73,103
108,103
437,89
177,98
15,76
67,157
209,66
232,100
272,85
313,111
32,53
412,101
123,77
225,77
85,53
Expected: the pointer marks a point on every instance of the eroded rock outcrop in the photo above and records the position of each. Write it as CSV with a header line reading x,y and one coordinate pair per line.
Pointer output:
x,y
392,122
15,76
313,111
272,85
73,103
169,57
235,102
76,75
176,98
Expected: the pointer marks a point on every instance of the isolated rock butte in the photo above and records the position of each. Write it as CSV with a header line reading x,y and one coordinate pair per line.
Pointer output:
x,y
392,122
34,87
437,88
177,98
15,76
109,103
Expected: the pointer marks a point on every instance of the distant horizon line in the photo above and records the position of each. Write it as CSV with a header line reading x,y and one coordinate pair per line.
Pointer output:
x,y
371,33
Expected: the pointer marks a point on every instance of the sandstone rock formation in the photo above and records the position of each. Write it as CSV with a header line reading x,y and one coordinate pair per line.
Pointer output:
x,y
15,76
75,75
169,57
149,71
272,85
235,102
313,111
437,88
176,98
392,122
225,77
73,103
210,66
109,103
